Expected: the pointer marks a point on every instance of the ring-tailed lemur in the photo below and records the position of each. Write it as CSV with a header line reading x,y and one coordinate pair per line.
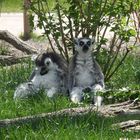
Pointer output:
x,y
50,73
84,72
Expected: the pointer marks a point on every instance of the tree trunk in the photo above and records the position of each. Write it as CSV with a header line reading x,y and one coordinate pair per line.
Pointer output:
x,y
27,29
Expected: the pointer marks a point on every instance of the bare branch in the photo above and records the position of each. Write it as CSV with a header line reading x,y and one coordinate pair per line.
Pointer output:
x,y
128,125
117,67
16,42
62,32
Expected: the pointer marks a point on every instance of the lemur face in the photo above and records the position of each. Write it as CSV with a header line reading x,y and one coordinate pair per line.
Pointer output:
x,y
44,63
83,44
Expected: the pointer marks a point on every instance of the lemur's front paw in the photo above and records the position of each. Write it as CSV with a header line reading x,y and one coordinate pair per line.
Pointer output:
x,y
98,101
76,98
97,88
76,95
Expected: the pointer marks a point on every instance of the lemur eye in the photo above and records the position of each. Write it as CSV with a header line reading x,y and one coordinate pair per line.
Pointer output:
x,y
88,43
81,43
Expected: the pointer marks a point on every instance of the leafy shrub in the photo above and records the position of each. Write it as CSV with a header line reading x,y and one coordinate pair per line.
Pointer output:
x,y
110,22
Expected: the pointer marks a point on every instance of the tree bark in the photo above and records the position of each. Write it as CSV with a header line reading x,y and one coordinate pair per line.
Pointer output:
x,y
128,125
27,28
10,60
16,42
128,107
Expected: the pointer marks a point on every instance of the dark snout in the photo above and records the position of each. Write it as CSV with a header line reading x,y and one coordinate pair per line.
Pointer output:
x,y
85,48
43,71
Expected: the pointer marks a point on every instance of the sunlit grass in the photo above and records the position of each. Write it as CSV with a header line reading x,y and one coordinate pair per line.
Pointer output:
x,y
128,75
17,5
90,126
10,78
11,5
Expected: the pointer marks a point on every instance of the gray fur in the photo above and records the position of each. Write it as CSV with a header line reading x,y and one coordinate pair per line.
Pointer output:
x,y
91,65
52,77
25,90
84,71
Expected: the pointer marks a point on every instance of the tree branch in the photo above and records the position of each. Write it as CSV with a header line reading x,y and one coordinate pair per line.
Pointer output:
x,y
16,42
128,125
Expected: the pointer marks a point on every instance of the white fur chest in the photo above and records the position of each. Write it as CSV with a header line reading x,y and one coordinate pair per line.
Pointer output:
x,y
83,72
49,80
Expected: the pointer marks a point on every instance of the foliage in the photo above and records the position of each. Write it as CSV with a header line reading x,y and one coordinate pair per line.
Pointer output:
x,y
3,48
10,6
68,19
90,126
123,87
87,126
125,83
10,78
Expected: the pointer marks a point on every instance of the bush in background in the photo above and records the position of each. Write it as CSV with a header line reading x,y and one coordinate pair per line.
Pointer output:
x,y
114,23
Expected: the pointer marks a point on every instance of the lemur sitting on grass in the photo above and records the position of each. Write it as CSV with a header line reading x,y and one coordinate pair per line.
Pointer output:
x,y
84,72
50,73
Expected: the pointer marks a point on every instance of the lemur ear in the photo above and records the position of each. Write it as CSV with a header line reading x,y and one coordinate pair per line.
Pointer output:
x,y
34,56
93,40
76,41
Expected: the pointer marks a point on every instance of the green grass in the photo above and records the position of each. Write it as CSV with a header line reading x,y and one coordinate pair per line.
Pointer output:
x,y
11,5
3,49
17,5
87,127
128,75
90,126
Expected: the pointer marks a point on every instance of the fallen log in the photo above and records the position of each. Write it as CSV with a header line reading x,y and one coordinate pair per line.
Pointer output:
x,y
106,110
128,125
16,42
70,112
10,60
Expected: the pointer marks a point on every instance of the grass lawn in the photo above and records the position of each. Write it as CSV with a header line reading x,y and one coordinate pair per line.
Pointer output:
x,y
11,5
17,5
91,126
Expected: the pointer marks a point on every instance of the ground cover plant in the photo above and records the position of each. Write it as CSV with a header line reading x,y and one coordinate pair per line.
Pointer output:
x,y
113,24
11,6
89,126
15,5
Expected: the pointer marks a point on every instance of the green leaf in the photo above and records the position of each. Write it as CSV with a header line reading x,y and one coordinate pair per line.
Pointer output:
x,y
132,32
